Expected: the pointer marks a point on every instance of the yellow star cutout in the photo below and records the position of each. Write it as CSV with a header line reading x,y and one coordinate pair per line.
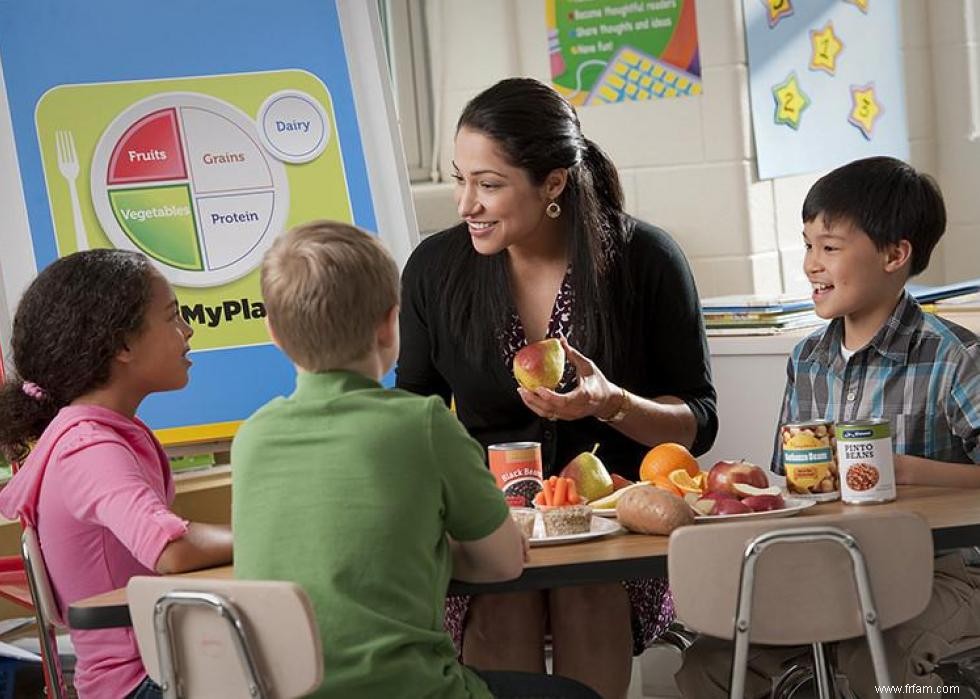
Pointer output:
x,y
777,10
865,109
826,46
790,102
860,4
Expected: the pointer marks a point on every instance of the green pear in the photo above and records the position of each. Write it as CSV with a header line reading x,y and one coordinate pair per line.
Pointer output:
x,y
592,480
540,364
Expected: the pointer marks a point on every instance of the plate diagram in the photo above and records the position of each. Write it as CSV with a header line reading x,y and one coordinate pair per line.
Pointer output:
x,y
182,177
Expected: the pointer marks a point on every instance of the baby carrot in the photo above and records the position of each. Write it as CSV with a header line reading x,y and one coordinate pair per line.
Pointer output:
x,y
561,490
573,497
539,498
549,496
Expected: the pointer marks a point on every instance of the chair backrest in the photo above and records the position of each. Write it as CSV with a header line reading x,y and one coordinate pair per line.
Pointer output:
x,y
804,592
198,620
45,611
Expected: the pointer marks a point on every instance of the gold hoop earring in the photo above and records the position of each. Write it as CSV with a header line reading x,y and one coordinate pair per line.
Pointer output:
x,y
553,210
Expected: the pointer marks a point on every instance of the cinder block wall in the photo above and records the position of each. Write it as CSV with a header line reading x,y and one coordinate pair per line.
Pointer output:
x,y
688,164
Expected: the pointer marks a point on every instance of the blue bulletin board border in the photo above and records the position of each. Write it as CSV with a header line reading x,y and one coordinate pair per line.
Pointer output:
x,y
47,43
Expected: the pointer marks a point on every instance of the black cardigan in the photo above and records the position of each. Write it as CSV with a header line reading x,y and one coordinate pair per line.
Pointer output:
x,y
670,358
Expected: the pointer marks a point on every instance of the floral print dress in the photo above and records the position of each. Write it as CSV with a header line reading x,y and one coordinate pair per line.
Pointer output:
x,y
650,600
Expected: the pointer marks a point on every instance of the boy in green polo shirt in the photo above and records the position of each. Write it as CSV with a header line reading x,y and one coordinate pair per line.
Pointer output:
x,y
371,499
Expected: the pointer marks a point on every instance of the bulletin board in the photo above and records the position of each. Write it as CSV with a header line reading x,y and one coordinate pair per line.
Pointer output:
x,y
825,82
196,133
610,51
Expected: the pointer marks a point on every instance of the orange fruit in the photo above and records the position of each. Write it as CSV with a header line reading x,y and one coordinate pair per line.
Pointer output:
x,y
664,483
682,479
665,458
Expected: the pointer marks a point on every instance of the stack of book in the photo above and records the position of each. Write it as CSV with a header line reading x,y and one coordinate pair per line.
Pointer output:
x,y
959,297
757,315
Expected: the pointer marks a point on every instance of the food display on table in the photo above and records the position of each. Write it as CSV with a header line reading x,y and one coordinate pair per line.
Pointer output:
x,y
524,518
540,364
563,511
591,478
651,510
867,467
516,466
810,460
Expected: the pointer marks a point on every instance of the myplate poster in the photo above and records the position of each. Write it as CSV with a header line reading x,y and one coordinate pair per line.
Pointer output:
x,y
825,81
195,135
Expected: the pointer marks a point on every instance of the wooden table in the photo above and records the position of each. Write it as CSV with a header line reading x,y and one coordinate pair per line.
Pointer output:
x,y
952,514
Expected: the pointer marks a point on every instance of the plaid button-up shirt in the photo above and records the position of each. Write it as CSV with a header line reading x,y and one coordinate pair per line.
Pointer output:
x,y
920,371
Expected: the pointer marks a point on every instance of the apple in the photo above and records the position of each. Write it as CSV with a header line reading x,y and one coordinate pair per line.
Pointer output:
x,y
721,506
764,503
592,480
724,474
540,364
619,481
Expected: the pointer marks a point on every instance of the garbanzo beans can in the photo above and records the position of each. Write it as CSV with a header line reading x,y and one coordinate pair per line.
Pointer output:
x,y
810,460
867,469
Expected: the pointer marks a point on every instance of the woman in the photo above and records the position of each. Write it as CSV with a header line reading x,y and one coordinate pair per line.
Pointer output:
x,y
545,250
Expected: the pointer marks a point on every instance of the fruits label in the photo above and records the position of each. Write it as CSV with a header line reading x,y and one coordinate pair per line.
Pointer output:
x,y
864,451
809,460
517,468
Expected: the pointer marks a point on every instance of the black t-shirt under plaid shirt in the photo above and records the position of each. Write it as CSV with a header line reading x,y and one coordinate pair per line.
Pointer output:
x,y
920,371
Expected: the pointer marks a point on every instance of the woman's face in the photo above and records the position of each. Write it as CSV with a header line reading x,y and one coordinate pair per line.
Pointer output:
x,y
498,201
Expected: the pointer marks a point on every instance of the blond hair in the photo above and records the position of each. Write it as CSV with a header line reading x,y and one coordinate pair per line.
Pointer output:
x,y
327,286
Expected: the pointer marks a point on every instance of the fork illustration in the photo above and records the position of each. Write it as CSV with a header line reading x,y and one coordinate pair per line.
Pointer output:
x,y
68,166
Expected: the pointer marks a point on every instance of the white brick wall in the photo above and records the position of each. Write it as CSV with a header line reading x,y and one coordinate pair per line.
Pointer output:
x,y
688,164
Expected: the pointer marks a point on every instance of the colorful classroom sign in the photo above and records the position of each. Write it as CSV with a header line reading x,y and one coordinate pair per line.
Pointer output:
x,y
825,82
604,52
196,148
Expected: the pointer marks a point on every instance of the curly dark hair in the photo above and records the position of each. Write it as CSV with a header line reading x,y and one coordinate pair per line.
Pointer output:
x,y
72,320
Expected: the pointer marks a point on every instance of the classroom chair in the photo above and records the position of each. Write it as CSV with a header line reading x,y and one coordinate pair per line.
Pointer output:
x,y
45,613
226,638
808,581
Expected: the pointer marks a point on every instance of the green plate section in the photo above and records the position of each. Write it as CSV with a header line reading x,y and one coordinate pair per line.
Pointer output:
x,y
160,221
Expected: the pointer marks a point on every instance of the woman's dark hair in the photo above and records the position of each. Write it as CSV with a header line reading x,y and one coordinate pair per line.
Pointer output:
x,y
538,131
72,320
887,199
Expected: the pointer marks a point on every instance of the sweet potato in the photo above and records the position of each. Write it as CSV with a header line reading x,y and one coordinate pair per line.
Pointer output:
x,y
650,510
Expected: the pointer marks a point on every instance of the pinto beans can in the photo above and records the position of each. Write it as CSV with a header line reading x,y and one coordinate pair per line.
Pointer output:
x,y
810,460
867,469
517,468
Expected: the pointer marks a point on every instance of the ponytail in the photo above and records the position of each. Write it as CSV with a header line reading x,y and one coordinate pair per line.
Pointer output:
x,y
605,179
24,415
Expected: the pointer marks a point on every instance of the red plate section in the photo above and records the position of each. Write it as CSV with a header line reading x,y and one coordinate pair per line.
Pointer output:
x,y
149,151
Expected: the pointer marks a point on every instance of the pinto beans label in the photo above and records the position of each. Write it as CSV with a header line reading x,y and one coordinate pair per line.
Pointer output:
x,y
864,454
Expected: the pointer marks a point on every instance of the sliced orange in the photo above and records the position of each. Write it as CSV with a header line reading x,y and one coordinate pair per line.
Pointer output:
x,y
664,483
687,483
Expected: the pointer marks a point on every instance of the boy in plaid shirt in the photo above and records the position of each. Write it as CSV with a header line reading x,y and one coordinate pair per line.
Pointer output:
x,y
868,226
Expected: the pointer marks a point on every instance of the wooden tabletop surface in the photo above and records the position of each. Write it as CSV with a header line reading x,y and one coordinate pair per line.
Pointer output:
x,y
952,514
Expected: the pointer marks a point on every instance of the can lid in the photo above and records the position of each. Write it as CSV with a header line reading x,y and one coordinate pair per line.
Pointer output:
x,y
809,423
514,445
864,422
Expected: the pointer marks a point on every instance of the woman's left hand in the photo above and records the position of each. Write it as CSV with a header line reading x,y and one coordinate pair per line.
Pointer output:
x,y
591,396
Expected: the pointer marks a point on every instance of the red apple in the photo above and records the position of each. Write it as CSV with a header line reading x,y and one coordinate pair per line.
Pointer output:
x,y
764,503
724,474
722,505
727,506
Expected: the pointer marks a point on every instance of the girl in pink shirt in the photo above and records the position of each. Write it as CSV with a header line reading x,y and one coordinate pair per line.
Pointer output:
x,y
94,334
